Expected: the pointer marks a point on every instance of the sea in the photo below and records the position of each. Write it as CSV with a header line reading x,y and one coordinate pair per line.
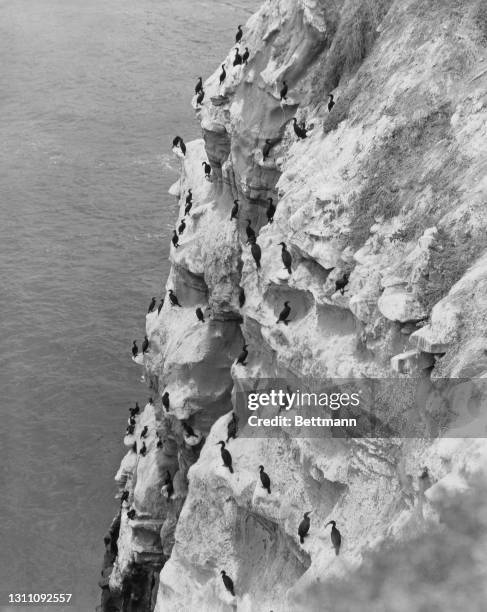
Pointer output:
x,y
92,93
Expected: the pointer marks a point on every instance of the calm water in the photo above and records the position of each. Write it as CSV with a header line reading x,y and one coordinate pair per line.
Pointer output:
x,y
91,94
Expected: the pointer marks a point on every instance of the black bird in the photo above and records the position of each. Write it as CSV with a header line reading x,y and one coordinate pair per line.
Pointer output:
x,y
300,131
159,441
182,146
124,496
145,344
143,433
159,308
175,239
188,430
287,260
232,427
271,209
256,252
245,56
223,74
207,169
143,450
234,214
304,527
284,314
267,148
336,538
134,447
152,305
187,208
173,298
189,197
199,86
264,479
182,227
228,582
238,36
342,283
135,350
331,102
168,484
137,408
165,400
132,420
175,141
130,430
201,97
238,58
243,355
199,314
284,91
241,297
131,514
151,401
226,457
249,231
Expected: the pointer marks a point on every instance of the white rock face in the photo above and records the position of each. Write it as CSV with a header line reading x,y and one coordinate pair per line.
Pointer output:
x,y
382,208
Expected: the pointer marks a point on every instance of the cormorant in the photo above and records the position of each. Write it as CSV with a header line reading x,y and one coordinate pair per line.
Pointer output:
x,y
165,400
145,344
201,97
234,214
135,349
336,538
226,457
143,450
331,102
267,148
228,582
152,305
243,355
256,252
130,430
300,131
173,298
159,308
284,314
175,239
134,447
187,208
199,86
137,408
287,260
189,197
188,430
249,231
304,527
168,484
238,58
342,283
124,496
143,433
241,297
264,479
182,146
199,314
232,427
223,74
245,56
207,169
238,36
182,227
132,420
131,514
284,90
271,209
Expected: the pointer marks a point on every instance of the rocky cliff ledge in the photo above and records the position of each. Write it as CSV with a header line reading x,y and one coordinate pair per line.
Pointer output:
x,y
389,189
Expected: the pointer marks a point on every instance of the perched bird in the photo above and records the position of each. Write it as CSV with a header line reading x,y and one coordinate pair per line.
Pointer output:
x,y
143,433
243,355
137,408
199,86
130,430
238,58
300,131
131,420
228,582
182,227
159,441
199,314
342,283
284,314
152,305
131,514
135,349
264,479
271,209
241,297
145,344
182,146
134,447
165,400
287,260
188,430
232,427
267,148
143,450
175,239
234,214
159,308
207,170
331,102
256,252
173,298
200,98
226,457
246,55
168,485
239,34
336,538
304,527
284,90
189,197
124,496
223,74
187,208
249,231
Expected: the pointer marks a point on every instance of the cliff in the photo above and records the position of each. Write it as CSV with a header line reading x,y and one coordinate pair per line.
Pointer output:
x,y
389,189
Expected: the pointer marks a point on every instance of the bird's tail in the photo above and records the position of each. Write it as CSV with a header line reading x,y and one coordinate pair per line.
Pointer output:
x,y
337,550
232,592
231,471
258,265
288,268
269,490
301,539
